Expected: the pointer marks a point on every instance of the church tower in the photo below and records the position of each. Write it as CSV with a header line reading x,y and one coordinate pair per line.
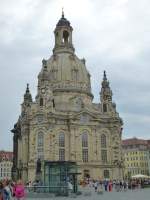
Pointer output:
x,y
107,106
63,123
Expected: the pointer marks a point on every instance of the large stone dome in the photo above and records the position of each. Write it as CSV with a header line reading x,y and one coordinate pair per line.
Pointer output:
x,y
67,72
64,71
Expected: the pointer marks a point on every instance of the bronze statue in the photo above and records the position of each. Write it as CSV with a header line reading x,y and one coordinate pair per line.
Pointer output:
x,y
38,166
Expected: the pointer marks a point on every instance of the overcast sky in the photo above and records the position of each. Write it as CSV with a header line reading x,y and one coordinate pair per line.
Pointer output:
x,y
112,35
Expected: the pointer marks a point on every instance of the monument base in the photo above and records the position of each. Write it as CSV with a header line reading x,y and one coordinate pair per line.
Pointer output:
x,y
38,176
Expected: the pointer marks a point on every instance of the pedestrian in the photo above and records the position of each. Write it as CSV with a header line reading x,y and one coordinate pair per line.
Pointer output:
x,y
19,191
105,185
29,186
110,186
95,186
125,185
121,185
12,186
101,184
117,186
7,192
1,191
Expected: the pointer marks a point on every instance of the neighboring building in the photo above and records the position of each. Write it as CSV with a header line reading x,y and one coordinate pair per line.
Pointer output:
x,y
6,163
136,156
63,123
148,149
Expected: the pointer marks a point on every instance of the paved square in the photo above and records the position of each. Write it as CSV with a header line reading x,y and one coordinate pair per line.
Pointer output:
x,y
143,194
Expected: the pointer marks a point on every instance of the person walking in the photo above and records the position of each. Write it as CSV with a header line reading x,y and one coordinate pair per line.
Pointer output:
x,y
117,186
125,185
19,191
110,186
95,186
106,185
1,191
7,192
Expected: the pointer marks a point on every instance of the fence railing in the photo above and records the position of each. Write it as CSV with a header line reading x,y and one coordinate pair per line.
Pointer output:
x,y
60,190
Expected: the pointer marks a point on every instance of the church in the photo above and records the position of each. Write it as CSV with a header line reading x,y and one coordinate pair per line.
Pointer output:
x,y
63,123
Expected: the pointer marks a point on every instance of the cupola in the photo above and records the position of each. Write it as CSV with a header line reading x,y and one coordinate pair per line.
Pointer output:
x,y
63,36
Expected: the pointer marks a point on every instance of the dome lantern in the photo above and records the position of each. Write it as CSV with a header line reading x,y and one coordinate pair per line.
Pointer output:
x,y
63,36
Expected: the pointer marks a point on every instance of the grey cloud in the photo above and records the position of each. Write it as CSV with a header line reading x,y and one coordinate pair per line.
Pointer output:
x,y
111,35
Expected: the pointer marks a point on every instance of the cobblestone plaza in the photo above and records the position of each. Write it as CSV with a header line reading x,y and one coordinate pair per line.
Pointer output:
x,y
143,194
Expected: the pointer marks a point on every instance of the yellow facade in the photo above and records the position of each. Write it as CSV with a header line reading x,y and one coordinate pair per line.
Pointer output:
x,y
136,160
6,163
5,169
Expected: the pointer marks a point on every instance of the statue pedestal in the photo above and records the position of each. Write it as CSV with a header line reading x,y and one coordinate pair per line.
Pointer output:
x,y
38,176
14,174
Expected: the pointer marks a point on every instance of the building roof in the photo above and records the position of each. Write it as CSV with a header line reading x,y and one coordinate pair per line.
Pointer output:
x,y
134,141
6,155
63,22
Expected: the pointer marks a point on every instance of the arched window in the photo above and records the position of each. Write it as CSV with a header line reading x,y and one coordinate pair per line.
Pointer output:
x,y
65,37
62,154
85,155
61,140
84,140
104,155
104,148
106,173
85,147
62,146
40,146
103,141
40,139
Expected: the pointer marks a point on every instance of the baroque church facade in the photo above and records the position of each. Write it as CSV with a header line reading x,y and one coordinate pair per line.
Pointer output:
x,y
63,123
